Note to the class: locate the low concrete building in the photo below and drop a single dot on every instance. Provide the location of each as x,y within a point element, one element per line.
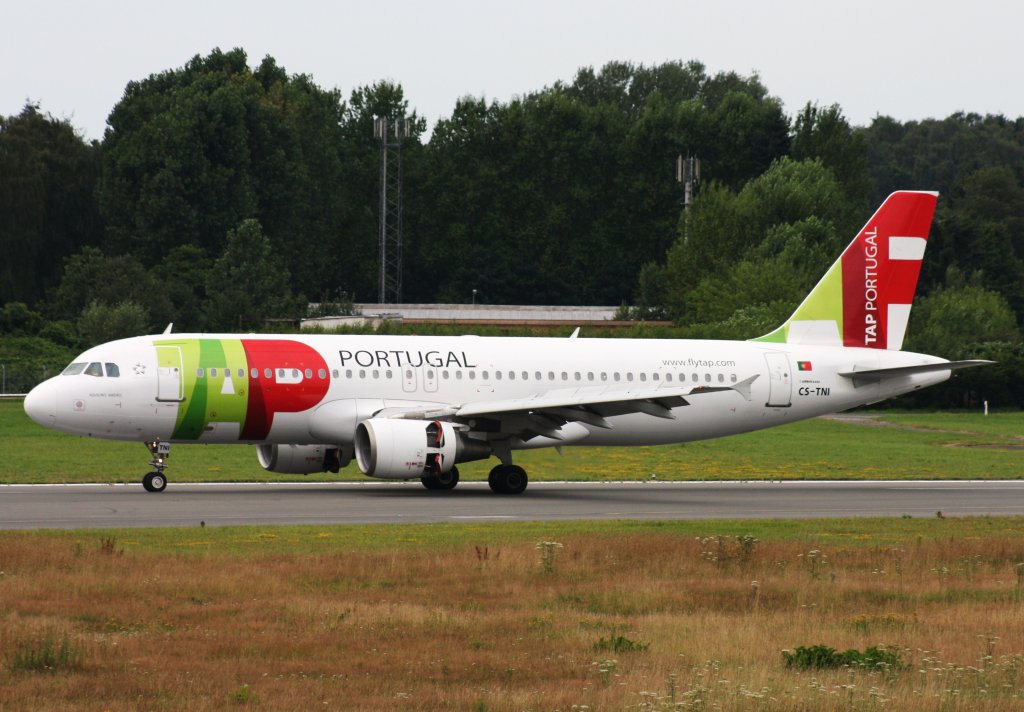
<point>472,314</point>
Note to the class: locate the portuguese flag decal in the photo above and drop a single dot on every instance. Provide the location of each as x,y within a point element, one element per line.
<point>803,366</point>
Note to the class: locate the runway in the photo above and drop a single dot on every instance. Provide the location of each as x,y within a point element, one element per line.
<point>186,505</point>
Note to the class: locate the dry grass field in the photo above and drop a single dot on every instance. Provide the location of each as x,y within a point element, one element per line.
<point>599,616</point>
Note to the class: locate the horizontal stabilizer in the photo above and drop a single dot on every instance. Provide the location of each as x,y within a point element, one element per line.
<point>874,375</point>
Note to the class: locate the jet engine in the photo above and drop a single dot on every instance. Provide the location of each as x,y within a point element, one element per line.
<point>405,449</point>
<point>301,459</point>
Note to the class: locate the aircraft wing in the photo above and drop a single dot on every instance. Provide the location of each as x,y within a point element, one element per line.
<point>545,413</point>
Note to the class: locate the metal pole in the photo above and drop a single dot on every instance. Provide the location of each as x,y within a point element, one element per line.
<point>383,130</point>
<point>4,388</point>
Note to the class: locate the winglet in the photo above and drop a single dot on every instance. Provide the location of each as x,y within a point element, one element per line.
<point>864,299</point>
<point>168,329</point>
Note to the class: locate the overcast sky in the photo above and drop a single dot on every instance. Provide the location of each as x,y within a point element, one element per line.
<point>909,60</point>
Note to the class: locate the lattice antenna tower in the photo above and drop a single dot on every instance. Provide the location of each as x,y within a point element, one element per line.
<point>390,133</point>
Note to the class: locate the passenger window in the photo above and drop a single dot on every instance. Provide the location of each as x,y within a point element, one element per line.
<point>497,375</point>
<point>643,377</point>
<point>74,369</point>
<point>362,373</point>
<point>309,373</point>
<point>430,374</point>
<point>295,373</point>
<point>565,376</point>
<point>551,375</point>
<point>629,376</point>
<point>254,373</point>
<point>696,378</point>
<point>707,377</point>
<point>458,375</point>
<point>388,374</point>
<point>576,375</point>
<point>668,377</point>
<point>213,373</point>
<point>112,370</point>
<point>604,376</point>
<point>95,369</point>
<point>483,375</point>
<point>200,372</point>
<point>280,373</point>
<point>444,375</point>
<point>348,373</point>
<point>733,378</point>
<point>321,374</point>
<point>334,373</point>
<point>241,373</point>
<point>721,378</point>
<point>616,376</point>
<point>511,375</point>
<point>537,375</point>
<point>472,375</point>
<point>682,377</point>
<point>655,376</point>
<point>268,373</point>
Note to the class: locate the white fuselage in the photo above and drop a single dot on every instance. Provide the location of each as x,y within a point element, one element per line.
<point>269,388</point>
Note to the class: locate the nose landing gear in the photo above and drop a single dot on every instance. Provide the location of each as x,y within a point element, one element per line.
<point>156,481</point>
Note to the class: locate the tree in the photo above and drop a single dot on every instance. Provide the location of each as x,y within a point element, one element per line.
<point>193,152</point>
<point>100,322</point>
<point>48,177</point>
<point>93,277</point>
<point>954,321</point>
<point>825,134</point>
<point>247,284</point>
<point>769,242</point>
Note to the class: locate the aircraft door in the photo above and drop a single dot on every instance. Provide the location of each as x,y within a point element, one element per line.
<point>169,384</point>
<point>780,381</point>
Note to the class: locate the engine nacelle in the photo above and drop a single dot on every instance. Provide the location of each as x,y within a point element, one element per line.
<point>404,449</point>
<point>301,459</point>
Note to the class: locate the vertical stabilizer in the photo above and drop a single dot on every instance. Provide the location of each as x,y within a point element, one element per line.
<point>864,299</point>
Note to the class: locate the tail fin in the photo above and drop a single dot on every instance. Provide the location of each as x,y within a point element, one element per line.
<point>864,299</point>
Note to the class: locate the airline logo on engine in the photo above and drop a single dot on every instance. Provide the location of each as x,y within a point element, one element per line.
<point>400,359</point>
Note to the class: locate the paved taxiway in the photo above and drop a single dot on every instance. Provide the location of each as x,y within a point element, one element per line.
<point>184,505</point>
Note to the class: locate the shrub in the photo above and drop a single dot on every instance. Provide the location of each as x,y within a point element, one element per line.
<point>46,655</point>
<point>820,657</point>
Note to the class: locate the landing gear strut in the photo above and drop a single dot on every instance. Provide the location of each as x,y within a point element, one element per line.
<point>442,481</point>
<point>155,481</point>
<point>507,479</point>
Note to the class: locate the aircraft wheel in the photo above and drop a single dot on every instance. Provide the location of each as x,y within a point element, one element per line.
<point>508,479</point>
<point>443,481</point>
<point>154,482</point>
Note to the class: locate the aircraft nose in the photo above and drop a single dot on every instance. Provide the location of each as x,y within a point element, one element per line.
<point>41,403</point>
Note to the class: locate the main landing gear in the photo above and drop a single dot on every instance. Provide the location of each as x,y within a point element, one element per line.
<point>504,479</point>
<point>507,479</point>
<point>155,481</point>
<point>443,481</point>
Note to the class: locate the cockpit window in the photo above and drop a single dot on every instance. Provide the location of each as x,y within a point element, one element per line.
<point>112,370</point>
<point>94,369</point>
<point>74,369</point>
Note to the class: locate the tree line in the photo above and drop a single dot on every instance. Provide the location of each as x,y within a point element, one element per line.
<point>222,194</point>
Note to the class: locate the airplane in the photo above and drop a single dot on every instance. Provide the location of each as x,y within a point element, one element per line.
<point>415,407</point>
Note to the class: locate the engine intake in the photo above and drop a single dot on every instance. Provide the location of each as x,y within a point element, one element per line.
<point>405,449</point>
